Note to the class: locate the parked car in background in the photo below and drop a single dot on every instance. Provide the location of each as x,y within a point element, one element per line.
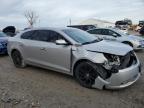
<point>3,43</point>
<point>142,31</point>
<point>93,62</point>
<point>122,25</point>
<point>10,31</point>
<point>139,26</point>
<point>141,23</point>
<point>83,27</point>
<point>116,35</point>
<point>124,31</point>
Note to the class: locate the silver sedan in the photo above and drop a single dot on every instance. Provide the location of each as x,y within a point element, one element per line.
<point>93,62</point>
<point>111,34</point>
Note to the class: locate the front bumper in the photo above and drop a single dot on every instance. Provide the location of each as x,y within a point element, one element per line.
<point>122,79</point>
<point>138,46</point>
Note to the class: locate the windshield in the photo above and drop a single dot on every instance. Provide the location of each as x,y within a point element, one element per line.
<point>2,34</point>
<point>80,36</point>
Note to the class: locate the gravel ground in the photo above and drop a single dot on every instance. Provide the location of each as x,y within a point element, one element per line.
<point>39,88</point>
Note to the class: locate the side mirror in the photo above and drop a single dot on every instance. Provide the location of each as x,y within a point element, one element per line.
<point>61,42</point>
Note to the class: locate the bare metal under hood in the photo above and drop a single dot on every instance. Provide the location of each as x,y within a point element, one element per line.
<point>109,47</point>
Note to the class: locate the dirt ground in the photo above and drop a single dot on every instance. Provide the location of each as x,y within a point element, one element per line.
<point>39,88</point>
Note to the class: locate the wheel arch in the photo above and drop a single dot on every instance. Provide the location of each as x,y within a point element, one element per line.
<point>99,83</point>
<point>14,50</point>
<point>77,63</point>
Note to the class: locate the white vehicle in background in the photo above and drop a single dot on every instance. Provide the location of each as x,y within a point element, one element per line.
<point>116,35</point>
<point>124,31</point>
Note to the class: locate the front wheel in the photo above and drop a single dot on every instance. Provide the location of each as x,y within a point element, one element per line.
<point>86,74</point>
<point>17,59</point>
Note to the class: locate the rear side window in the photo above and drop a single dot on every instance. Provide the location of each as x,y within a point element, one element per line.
<point>42,35</point>
<point>95,31</point>
<point>27,35</point>
<point>47,36</point>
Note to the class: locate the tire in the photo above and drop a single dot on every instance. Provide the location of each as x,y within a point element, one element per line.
<point>128,43</point>
<point>85,74</point>
<point>17,59</point>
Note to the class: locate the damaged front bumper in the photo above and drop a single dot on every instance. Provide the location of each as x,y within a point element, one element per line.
<point>122,79</point>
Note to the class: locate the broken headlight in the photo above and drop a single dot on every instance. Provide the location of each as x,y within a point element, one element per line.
<point>112,63</point>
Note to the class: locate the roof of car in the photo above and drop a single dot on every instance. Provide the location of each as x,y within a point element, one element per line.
<point>101,28</point>
<point>51,28</point>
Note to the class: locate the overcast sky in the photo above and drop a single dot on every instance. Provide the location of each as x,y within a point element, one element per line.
<point>58,12</point>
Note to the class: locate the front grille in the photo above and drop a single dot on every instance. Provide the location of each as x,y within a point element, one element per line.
<point>127,60</point>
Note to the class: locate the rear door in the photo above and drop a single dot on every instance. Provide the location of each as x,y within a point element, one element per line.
<point>31,46</point>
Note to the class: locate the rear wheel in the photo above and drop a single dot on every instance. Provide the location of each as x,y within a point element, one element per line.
<point>17,59</point>
<point>86,74</point>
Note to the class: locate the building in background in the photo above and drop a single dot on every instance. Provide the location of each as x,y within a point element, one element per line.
<point>97,23</point>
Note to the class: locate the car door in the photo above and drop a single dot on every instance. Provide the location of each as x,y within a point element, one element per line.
<point>31,46</point>
<point>54,56</point>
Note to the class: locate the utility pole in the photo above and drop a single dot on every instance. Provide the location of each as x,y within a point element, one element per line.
<point>70,21</point>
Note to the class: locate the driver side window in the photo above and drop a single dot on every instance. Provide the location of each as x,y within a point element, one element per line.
<point>54,36</point>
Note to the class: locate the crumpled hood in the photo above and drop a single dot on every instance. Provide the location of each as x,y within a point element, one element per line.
<point>109,47</point>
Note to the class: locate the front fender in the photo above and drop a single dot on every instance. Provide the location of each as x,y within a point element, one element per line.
<point>94,57</point>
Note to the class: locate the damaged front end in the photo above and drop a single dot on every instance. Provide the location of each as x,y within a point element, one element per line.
<point>120,71</point>
<point>115,63</point>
